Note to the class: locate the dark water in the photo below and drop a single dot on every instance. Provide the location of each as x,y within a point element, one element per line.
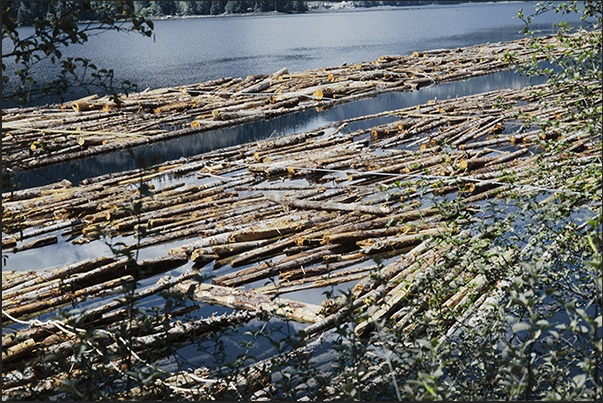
<point>301,121</point>
<point>185,51</point>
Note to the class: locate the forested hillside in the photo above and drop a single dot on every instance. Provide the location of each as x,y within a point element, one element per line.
<point>27,11</point>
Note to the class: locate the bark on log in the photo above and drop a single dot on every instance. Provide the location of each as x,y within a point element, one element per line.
<point>477,162</point>
<point>399,242</point>
<point>38,307</point>
<point>10,281</point>
<point>266,270</point>
<point>84,284</point>
<point>333,206</point>
<point>507,157</point>
<point>38,243</point>
<point>322,268</point>
<point>318,281</point>
<point>332,320</point>
<point>251,301</point>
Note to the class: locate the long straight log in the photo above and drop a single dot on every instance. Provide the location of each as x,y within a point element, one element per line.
<point>16,278</point>
<point>399,242</point>
<point>56,288</point>
<point>476,162</point>
<point>278,246</point>
<point>243,234</point>
<point>317,281</point>
<point>332,320</point>
<point>477,127</point>
<point>267,270</point>
<point>333,206</point>
<point>321,282</point>
<point>354,236</point>
<point>62,272</point>
<point>238,247</point>
<point>37,307</point>
<point>250,301</point>
<point>507,157</point>
<point>38,243</point>
<point>331,263</point>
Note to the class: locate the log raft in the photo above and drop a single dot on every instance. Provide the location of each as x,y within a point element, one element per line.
<point>268,219</point>
<point>93,125</point>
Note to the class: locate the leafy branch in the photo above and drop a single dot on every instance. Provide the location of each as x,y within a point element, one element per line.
<point>52,33</point>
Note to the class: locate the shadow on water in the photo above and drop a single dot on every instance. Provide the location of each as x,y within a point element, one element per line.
<point>307,120</point>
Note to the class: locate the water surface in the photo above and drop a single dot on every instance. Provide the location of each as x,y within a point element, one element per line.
<point>187,51</point>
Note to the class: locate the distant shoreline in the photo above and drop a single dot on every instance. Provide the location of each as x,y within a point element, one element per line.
<point>310,11</point>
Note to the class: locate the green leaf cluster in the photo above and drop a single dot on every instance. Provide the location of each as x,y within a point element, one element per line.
<point>56,25</point>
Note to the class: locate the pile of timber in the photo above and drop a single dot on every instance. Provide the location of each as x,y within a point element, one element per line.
<point>464,142</point>
<point>307,210</point>
<point>54,134</point>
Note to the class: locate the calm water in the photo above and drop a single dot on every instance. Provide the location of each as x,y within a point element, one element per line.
<point>186,51</point>
<point>302,121</point>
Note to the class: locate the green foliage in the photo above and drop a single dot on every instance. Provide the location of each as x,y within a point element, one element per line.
<point>540,339</point>
<point>579,70</point>
<point>27,11</point>
<point>398,3</point>
<point>57,25</point>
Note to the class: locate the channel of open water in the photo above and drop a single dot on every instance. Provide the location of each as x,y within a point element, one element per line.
<point>310,119</point>
<point>186,51</point>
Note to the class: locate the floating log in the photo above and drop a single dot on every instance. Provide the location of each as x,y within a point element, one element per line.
<point>60,273</point>
<point>309,281</point>
<point>507,157</point>
<point>399,242</point>
<point>335,318</point>
<point>300,91</point>
<point>472,163</point>
<point>342,199</point>
<point>15,278</point>
<point>38,307</point>
<point>250,301</point>
<point>356,207</point>
<point>330,263</point>
<point>89,283</point>
<point>234,247</point>
<point>38,243</point>
<point>355,236</point>
<point>267,270</point>
<point>85,105</point>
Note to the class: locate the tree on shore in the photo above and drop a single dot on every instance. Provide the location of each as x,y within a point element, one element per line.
<point>25,12</point>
